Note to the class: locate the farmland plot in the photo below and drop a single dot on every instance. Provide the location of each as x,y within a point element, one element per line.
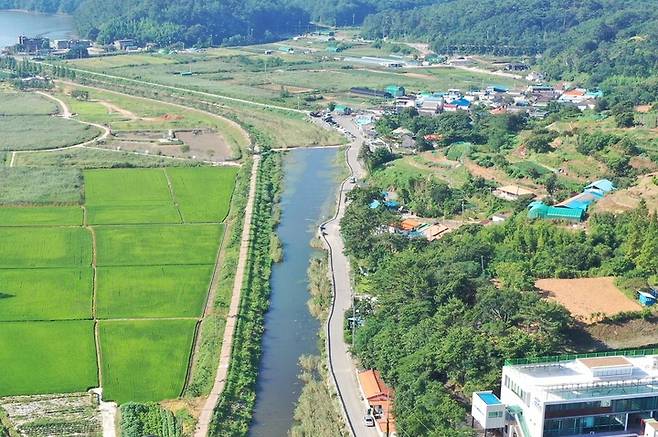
<point>26,104</point>
<point>145,360</point>
<point>129,197</point>
<point>44,216</point>
<point>203,194</point>
<point>152,291</point>
<point>45,294</point>
<point>44,247</point>
<point>142,245</point>
<point>27,132</point>
<point>51,357</point>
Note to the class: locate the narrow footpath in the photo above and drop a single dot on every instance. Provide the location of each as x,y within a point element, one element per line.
<point>341,365</point>
<point>227,344</point>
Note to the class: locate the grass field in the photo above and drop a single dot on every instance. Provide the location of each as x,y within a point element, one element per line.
<point>145,360</point>
<point>152,291</point>
<point>18,103</point>
<point>36,132</point>
<point>94,159</point>
<point>45,294</point>
<point>157,244</point>
<point>194,189</point>
<point>40,186</point>
<point>126,187</point>
<point>41,216</point>
<point>44,247</point>
<point>47,357</point>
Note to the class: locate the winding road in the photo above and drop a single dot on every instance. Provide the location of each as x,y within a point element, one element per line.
<point>341,366</point>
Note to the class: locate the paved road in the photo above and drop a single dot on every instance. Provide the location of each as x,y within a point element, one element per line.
<point>340,362</point>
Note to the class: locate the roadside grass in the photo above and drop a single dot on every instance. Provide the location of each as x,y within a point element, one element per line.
<point>34,132</point>
<point>122,61</point>
<point>44,247</point>
<point>18,103</point>
<point>45,294</point>
<point>145,360</point>
<point>151,291</point>
<point>47,357</point>
<point>134,245</point>
<point>40,186</point>
<point>203,194</point>
<point>95,158</point>
<point>41,216</point>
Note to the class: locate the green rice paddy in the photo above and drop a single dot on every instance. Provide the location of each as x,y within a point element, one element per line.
<point>45,294</point>
<point>44,216</point>
<point>47,357</point>
<point>152,237</point>
<point>145,360</point>
<point>152,291</point>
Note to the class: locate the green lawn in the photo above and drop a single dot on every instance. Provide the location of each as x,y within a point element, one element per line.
<point>152,291</point>
<point>145,360</point>
<point>12,103</point>
<point>47,357</point>
<point>203,194</point>
<point>32,132</point>
<point>44,247</point>
<point>45,294</point>
<point>135,245</point>
<point>43,216</point>
<point>95,158</point>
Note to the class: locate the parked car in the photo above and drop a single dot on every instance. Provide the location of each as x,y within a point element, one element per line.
<point>369,421</point>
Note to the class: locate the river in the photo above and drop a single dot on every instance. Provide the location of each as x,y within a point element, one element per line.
<point>15,23</point>
<point>309,190</point>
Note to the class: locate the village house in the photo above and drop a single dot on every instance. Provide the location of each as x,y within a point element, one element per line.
<point>380,400</point>
<point>512,192</point>
<point>125,44</point>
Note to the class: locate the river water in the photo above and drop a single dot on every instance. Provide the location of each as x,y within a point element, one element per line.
<point>309,190</point>
<point>15,23</point>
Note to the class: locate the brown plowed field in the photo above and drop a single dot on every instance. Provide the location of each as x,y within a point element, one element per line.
<point>586,296</point>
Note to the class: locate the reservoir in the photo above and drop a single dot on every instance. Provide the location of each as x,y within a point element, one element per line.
<point>307,199</point>
<point>15,23</point>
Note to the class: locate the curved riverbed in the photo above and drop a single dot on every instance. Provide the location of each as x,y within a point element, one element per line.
<point>309,189</point>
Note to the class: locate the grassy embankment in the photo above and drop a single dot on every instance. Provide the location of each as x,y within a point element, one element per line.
<point>233,412</point>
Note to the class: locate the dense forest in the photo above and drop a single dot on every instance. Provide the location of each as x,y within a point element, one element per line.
<point>592,39</point>
<point>445,315</point>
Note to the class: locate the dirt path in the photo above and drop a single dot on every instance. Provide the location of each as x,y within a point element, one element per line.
<point>233,123</point>
<point>66,113</point>
<point>205,417</point>
<point>114,108</point>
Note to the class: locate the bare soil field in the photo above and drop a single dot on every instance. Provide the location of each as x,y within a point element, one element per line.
<point>624,200</point>
<point>631,334</point>
<point>584,297</point>
<point>206,143</point>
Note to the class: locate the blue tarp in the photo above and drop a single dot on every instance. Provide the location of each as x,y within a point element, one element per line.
<point>461,102</point>
<point>392,204</point>
<point>375,204</point>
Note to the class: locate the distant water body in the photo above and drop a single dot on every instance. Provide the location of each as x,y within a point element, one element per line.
<point>15,23</point>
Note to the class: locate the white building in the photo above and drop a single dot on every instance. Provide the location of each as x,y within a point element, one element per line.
<point>607,394</point>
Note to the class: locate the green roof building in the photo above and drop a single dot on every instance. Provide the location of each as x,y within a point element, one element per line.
<point>395,90</point>
<point>342,109</point>
<point>539,209</point>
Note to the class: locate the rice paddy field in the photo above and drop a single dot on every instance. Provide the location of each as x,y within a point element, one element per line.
<point>131,266</point>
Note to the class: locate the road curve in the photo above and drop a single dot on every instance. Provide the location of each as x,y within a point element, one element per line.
<point>208,408</point>
<point>341,365</point>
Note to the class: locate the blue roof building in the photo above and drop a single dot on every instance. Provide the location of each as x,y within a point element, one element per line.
<point>602,184</point>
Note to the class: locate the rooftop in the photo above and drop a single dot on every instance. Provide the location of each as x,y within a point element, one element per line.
<point>589,376</point>
<point>489,398</point>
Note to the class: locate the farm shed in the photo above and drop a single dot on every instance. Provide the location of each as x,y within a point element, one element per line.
<point>539,209</point>
<point>342,109</point>
<point>395,90</point>
<point>512,192</point>
<point>603,185</point>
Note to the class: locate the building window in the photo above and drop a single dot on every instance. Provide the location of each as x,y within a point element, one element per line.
<point>494,414</point>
